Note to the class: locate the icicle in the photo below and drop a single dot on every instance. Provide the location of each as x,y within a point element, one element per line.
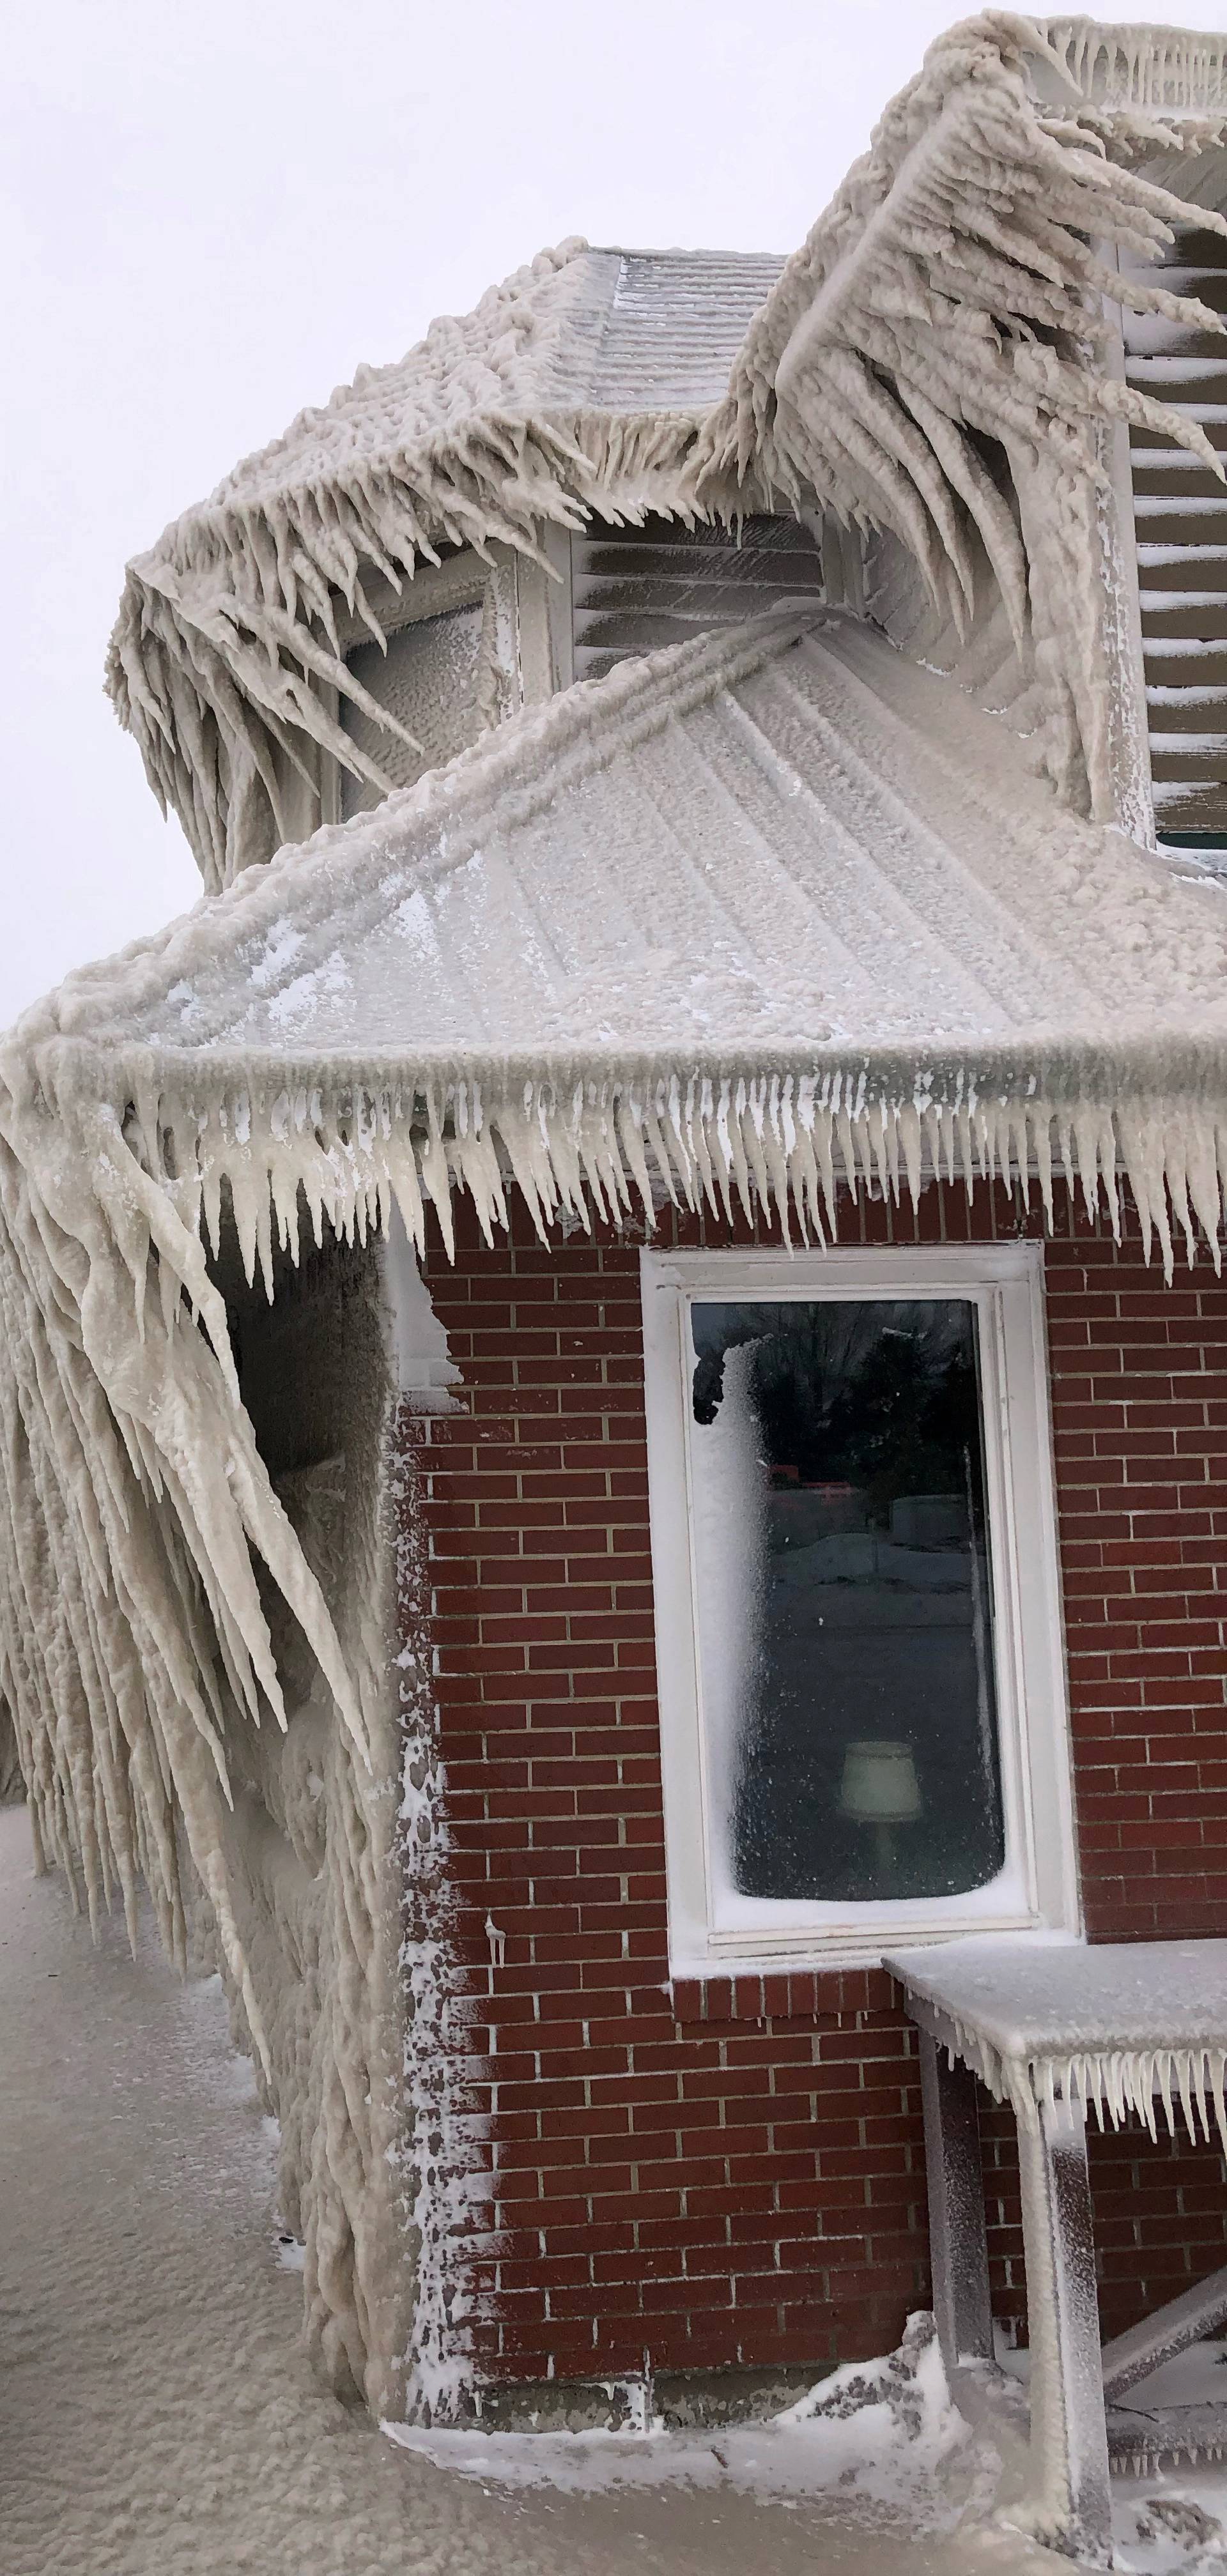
<point>1184,2078</point>
<point>1218,2068</point>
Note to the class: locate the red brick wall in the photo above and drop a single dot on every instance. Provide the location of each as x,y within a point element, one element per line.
<point>735,2174</point>
<point>1139,1388</point>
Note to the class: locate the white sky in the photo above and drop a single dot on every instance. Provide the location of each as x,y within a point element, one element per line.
<point>214,213</point>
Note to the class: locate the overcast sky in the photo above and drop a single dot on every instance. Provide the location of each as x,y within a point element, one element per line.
<point>215,212</point>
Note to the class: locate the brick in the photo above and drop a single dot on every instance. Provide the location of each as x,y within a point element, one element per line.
<point>731,2169</point>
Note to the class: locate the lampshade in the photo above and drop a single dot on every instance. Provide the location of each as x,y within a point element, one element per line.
<point>879,1784</point>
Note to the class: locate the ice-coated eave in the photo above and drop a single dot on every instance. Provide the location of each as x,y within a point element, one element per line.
<point>576,387</point>
<point>607,1138</point>
<point>935,358</point>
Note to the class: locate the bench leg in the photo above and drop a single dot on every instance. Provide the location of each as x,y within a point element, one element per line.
<point>1071,2501</point>
<point>958,2241</point>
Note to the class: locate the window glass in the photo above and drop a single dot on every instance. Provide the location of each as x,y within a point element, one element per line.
<point>428,679</point>
<point>844,1598</point>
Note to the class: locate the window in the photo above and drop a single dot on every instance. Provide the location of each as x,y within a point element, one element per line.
<point>441,631</point>
<point>858,1623</point>
<point>429,679</point>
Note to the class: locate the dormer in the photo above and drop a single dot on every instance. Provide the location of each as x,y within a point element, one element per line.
<point>923,416</point>
<point>468,643</point>
<point>407,566</point>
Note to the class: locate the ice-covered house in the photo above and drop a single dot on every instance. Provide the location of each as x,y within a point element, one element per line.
<point>615,1366</point>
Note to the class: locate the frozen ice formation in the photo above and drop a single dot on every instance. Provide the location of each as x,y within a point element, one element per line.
<point>1127,2030</point>
<point>550,400</point>
<point>882,949</point>
<point>952,294</point>
<point>877,947</point>
<point>930,362</point>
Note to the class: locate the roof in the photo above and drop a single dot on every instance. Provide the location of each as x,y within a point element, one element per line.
<point>577,384</point>
<point>794,841</point>
<point>784,862</point>
<point>577,330</point>
<point>952,295</point>
<point>947,298</point>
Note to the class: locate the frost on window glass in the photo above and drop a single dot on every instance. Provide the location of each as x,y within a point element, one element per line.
<point>428,679</point>
<point>844,1599</point>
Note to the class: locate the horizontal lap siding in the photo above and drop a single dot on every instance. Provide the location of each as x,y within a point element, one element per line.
<point>735,2176</point>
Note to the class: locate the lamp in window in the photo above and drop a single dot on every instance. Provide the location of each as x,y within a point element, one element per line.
<point>879,1788</point>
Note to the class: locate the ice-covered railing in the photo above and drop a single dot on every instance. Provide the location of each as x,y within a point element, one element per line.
<point>1127,2029</point>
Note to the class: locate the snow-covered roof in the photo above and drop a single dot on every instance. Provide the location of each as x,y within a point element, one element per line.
<point>949,297</point>
<point>579,329</point>
<point>1116,2025</point>
<point>952,294</point>
<point>767,845</point>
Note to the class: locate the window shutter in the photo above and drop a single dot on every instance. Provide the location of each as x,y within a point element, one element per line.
<point>1180,512</point>
<point>635,589</point>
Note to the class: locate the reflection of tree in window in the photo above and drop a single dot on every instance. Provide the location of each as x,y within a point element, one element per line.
<point>864,1758</point>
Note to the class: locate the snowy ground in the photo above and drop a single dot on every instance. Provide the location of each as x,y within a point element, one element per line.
<point>156,2415</point>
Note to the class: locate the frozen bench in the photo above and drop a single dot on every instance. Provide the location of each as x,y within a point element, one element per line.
<point>1053,2029</point>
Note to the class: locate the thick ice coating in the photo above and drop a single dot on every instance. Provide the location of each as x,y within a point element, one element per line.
<point>1122,2028</point>
<point>773,916</point>
<point>948,298</point>
<point>766,915</point>
<point>929,362</point>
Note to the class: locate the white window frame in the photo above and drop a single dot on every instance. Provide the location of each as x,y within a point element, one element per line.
<point>1037,1890</point>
